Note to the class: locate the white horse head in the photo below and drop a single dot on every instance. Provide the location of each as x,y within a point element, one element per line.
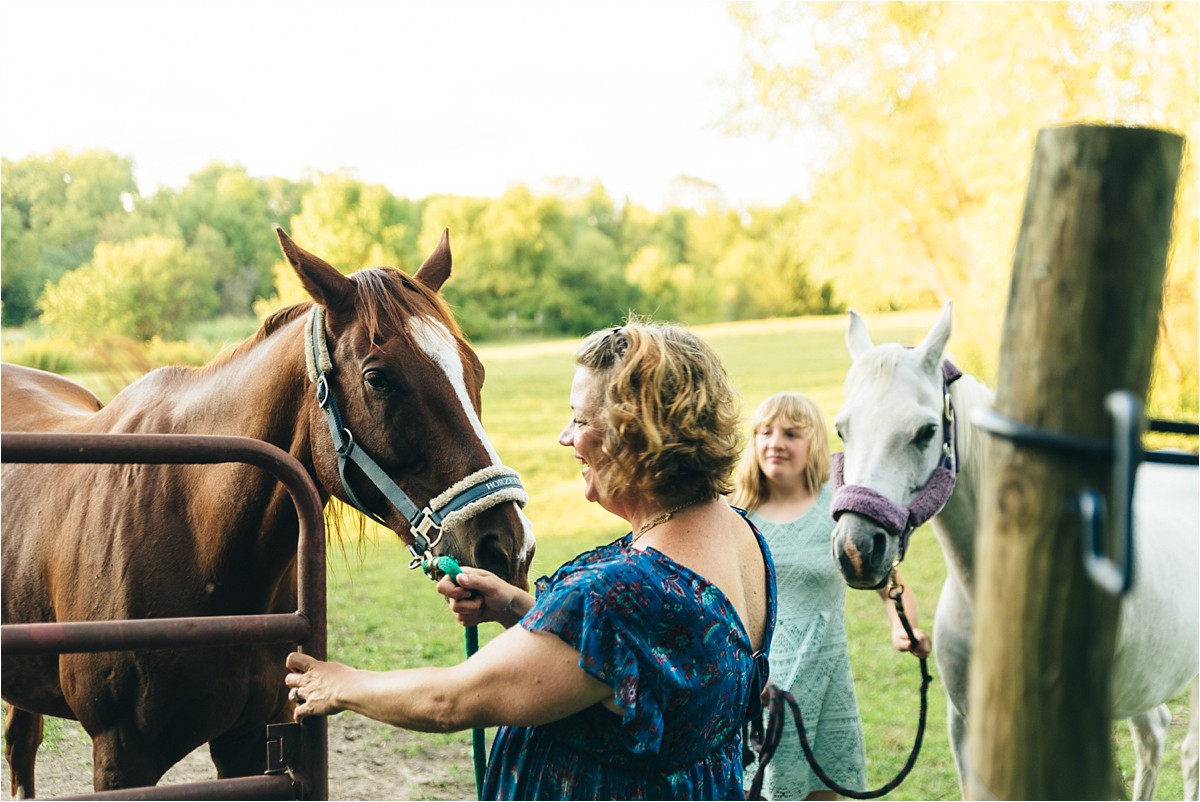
<point>893,428</point>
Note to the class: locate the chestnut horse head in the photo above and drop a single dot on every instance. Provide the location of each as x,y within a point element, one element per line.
<point>396,429</point>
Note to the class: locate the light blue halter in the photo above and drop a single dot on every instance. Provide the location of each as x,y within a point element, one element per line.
<point>468,497</point>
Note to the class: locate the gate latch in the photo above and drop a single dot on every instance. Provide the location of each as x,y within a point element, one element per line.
<point>283,747</point>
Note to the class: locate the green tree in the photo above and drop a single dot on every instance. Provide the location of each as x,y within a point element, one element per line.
<point>52,209</point>
<point>531,262</point>
<point>350,224</point>
<point>656,275</point>
<point>465,292</point>
<point>592,290</point>
<point>765,272</point>
<point>224,200</point>
<point>142,288</point>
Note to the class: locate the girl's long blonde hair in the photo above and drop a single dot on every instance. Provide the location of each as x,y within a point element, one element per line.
<point>792,409</point>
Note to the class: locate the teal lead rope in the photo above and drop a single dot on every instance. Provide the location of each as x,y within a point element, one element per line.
<point>450,567</point>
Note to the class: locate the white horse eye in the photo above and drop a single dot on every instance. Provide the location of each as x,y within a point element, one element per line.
<point>924,435</point>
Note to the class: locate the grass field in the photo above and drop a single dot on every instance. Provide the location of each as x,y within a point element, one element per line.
<point>383,616</point>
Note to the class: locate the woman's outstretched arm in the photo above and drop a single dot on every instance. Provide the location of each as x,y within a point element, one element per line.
<point>520,678</point>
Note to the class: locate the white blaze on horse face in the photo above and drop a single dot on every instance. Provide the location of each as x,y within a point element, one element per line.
<point>435,340</point>
<point>439,345</point>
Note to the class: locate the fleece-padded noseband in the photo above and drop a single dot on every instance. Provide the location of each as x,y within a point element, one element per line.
<point>894,518</point>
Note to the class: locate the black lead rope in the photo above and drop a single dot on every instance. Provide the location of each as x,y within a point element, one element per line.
<point>764,743</point>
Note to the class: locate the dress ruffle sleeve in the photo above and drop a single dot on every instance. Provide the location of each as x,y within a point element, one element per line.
<point>612,615</point>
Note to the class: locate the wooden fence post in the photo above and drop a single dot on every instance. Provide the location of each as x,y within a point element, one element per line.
<point>1081,322</point>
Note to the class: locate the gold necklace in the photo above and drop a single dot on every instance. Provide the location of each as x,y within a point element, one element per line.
<point>661,518</point>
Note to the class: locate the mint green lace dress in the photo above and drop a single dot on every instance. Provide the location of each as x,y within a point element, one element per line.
<point>809,658</point>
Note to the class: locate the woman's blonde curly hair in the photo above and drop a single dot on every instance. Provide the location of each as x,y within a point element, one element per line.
<point>672,417</point>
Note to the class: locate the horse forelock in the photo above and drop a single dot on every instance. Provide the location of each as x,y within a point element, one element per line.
<point>877,366</point>
<point>388,298</point>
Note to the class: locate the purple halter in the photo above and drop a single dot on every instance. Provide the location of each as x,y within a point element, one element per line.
<point>897,520</point>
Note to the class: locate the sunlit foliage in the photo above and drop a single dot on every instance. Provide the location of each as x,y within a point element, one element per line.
<point>920,119</point>
<point>929,112</point>
<point>140,288</point>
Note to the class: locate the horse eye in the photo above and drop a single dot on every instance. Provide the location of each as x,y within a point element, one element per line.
<point>376,380</point>
<point>924,435</point>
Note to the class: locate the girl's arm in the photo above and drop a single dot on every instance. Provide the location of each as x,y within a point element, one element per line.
<point>900,638</point>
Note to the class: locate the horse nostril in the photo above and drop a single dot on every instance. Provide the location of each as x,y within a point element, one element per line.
<point>491,556</point>
<point>878,544</point>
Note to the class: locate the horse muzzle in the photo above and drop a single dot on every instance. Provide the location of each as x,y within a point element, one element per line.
<point>498,539</point>
<point>878,526</point>
<point>864,551</point>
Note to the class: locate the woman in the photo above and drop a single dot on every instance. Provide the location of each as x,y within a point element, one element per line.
<point>781,482</point>
<point>630,675</point>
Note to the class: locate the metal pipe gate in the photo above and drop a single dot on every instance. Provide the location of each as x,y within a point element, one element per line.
<point>290,776</point>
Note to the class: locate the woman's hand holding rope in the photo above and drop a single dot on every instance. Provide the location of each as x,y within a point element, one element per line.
<point>477,596</point>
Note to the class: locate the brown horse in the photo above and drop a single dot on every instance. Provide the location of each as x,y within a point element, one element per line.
<point>89,542</point>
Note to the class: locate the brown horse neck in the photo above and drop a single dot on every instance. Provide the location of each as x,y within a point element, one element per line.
<point>258,391</point>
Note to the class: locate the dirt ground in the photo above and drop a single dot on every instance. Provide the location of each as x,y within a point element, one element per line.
<point>367,760</point>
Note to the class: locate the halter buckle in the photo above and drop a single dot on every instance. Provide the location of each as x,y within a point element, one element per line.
<point>322,391</point>
<point>425,524</point>
<point>347,445</point>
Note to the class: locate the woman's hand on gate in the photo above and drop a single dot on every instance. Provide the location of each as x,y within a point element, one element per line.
<point>314,685</point>
<point>477,596</point>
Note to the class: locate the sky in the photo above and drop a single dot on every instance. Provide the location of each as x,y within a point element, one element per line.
<point>423,97</point>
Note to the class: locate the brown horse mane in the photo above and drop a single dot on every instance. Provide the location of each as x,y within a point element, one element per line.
<point>385,306</point>
<point>275,321</point>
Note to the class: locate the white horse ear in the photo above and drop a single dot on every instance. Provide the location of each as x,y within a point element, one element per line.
<point>857,338</point>
<point>934,344</point>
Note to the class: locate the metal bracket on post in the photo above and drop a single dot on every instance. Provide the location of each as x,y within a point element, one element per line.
<point>1113,574</point>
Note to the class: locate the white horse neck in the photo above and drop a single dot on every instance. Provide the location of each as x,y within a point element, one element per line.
<point>955,524</point>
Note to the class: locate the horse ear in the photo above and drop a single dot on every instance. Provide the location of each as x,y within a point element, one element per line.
<point>934,344</point>
<point>436,269</point>
<point>321,280</point>
<point>857,338</point>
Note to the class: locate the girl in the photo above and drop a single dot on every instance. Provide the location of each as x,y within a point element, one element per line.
<point>782,484</point>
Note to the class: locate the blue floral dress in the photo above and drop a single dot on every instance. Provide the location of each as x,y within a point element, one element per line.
<point>682,670</point>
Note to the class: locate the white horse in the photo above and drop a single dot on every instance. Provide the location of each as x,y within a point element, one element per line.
<point>892,429</point>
